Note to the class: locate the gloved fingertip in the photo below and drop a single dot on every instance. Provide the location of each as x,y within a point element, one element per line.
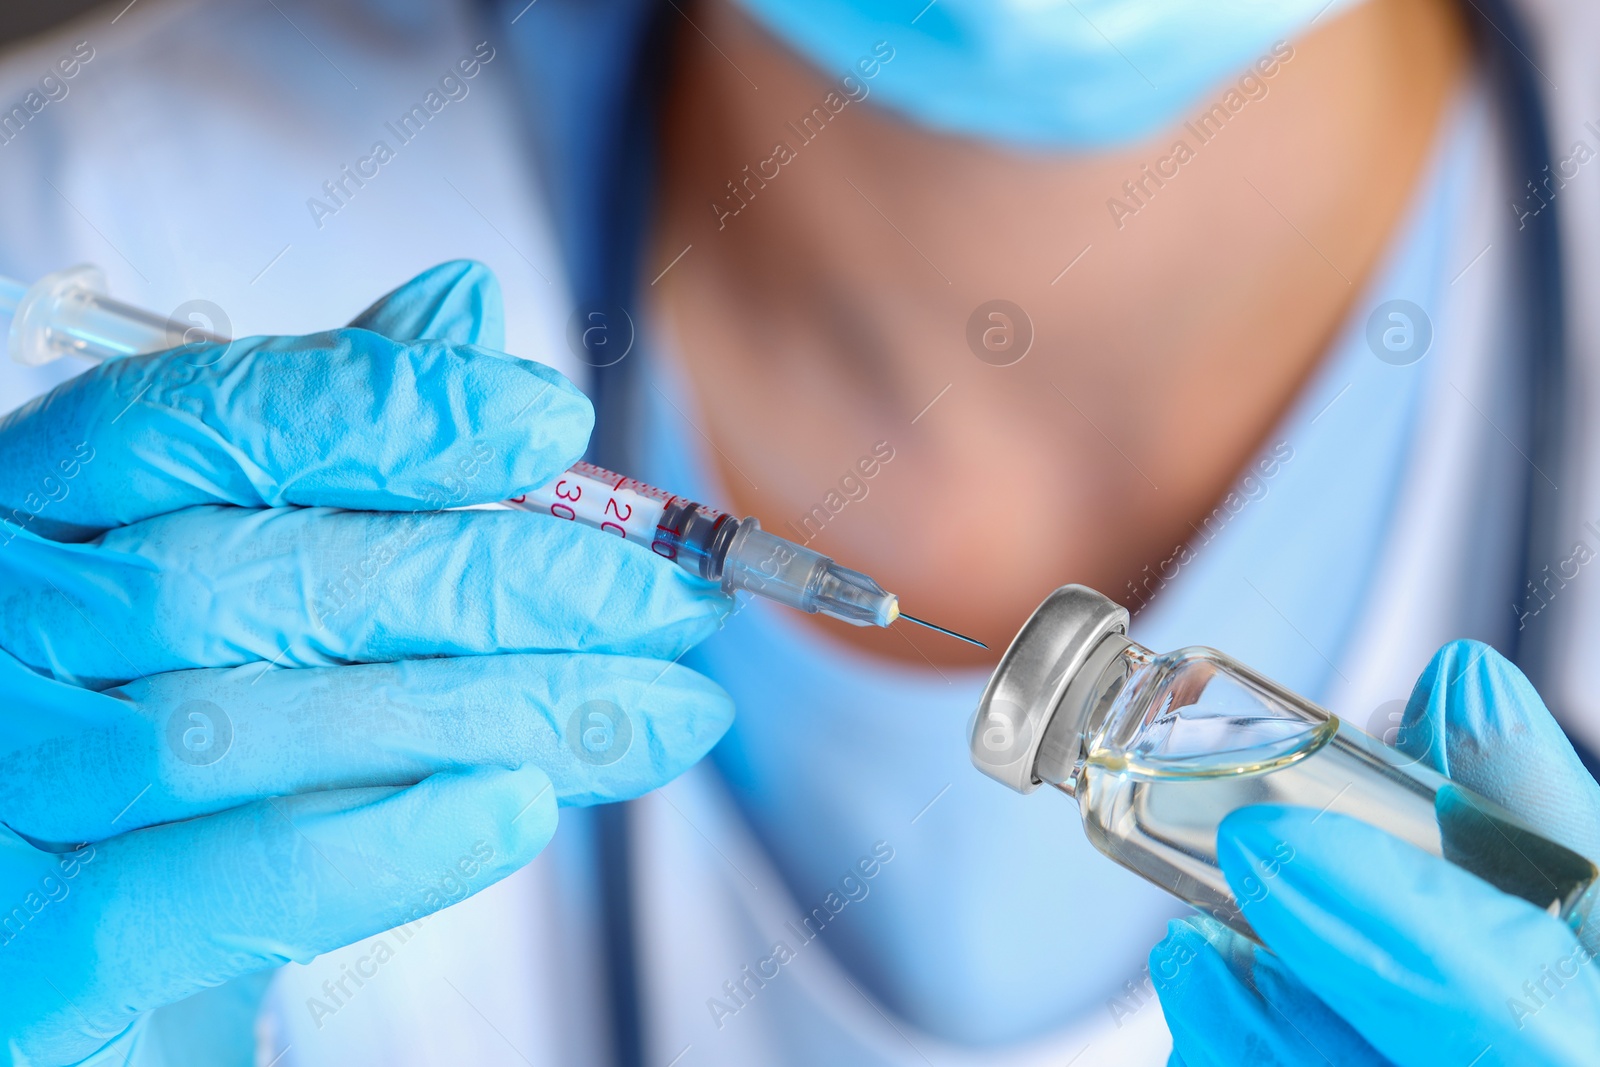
<point>702,714</point>
<point>535,409</point>
<point>1455,693</point>
<point>522,808</point>
<point>624,727</point>
<point>1180,942</point>
<point>1476,718</point>
<point>1186,969</point>
<point>500,425</point>
<point>1178,930</point>
<point>500,817</point>
<point>457,301</point>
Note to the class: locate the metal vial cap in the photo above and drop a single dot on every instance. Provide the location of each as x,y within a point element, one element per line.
<point>1027,687</point>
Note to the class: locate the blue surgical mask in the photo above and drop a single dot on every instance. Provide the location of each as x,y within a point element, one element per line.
<point>1044,74</point>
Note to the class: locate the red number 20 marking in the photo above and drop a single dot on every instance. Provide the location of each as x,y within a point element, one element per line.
<point>625,513</point>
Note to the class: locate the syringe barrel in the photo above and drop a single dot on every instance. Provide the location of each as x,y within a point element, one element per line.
<point>711,544</point>
<point>691,535</point>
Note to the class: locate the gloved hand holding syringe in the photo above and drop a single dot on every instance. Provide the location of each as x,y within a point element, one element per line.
<point>69,313</point>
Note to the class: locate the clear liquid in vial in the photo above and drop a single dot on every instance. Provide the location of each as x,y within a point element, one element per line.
<point>1158,815</point>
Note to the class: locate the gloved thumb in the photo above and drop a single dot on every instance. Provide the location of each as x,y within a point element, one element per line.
<point>1474,717</point>
<point>458,301</point>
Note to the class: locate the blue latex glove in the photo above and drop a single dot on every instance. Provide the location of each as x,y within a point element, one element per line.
<point>274,726</point>
<point>1384,953</point>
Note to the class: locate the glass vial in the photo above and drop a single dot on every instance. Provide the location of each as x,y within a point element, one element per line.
<point>1158,749</point>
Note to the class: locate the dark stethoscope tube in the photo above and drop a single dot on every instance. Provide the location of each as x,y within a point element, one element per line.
<point>1506,48</point>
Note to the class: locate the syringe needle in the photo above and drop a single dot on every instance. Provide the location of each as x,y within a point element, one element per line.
<point>941,629</point>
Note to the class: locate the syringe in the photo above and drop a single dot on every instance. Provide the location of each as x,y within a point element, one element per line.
<point>69,313</point>
<point>712,544</point>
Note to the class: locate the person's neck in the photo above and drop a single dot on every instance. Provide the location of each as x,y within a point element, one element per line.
<point>823,306</point>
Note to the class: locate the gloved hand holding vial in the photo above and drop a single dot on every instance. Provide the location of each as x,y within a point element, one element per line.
<point>1209,780</point>
<point>1159,749</point>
